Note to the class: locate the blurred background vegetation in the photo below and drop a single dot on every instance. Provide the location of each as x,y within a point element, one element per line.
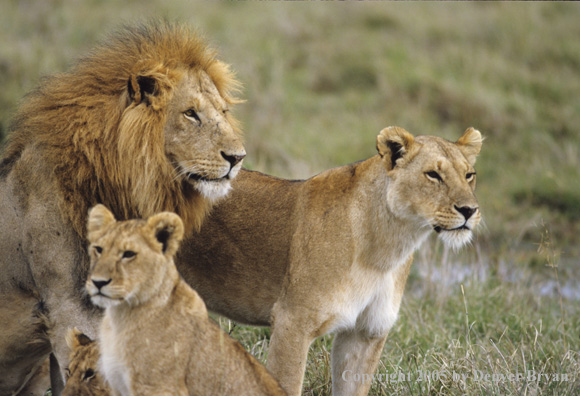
<point>322,79</point>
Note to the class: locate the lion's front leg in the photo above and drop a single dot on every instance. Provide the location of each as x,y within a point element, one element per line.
<point>291,338</point>
<point>354,358</point>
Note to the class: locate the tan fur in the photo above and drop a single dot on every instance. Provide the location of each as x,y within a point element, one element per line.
<point>82,376</point>
<point>332,253</point>
<point>156,337</point>
<point>142,124</point>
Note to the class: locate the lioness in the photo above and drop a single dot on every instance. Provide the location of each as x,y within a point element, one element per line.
<point>156,337</point>
<point>332,253</point>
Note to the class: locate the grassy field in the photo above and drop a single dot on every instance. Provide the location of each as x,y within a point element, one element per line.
<point>321,79</point>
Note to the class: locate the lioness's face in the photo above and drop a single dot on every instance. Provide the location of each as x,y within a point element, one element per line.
<point>200,141</point>
<point>433,182</point>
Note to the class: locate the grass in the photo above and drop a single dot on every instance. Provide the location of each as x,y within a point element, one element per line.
<point>470,334</point>
<point>321,79</point>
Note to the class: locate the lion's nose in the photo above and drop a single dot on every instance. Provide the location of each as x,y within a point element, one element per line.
<point>99,284</point>
<point>466,211</point>
<point>233,159</point>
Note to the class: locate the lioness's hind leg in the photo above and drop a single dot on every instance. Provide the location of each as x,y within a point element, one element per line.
<point>354,359</point>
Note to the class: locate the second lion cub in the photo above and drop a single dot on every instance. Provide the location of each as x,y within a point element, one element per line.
<point>156,336</point>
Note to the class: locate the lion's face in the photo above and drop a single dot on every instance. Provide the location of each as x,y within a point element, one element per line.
<point>82,376</point>
<point>433,181</point>
<point>200,141</point>
<point>130,259</point>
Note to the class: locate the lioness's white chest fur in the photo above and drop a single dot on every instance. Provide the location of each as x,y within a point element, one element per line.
<point>370,303</point>
<point>371,297</point>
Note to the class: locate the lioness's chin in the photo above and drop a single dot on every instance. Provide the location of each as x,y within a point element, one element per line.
<point>456,239</point>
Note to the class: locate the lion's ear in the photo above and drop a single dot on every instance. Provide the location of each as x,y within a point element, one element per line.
<point>141,88</point>
<point>76,338</point>
<point>470,144</point>
<point>393,143</point>
<point>99,218</point>
<point>167,228</point>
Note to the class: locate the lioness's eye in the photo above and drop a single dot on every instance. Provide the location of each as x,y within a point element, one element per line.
<point>98,249</point>
<point>192,114</point>
<point>434,175</point>
<point>129,254</point>
<point>470,176</point>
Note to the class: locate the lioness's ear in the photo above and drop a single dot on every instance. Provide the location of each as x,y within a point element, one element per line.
<point>393,143</point>
<point>76,338</point>
<point>470,144</point>
<point>168,230</point>
<point>141,88</point>
<point>99,218</point>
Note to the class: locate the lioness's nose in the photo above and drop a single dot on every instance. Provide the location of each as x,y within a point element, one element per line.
<point>466,211</point>
<point>100,283</point>
<point>233,159</point>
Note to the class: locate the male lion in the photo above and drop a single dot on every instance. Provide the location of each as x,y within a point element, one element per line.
<point>142,125</point>
<point>332,253</point>
<point>156,337</point>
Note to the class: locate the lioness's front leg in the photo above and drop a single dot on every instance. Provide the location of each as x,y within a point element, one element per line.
<point>291,338</point>
<point>354,353</point>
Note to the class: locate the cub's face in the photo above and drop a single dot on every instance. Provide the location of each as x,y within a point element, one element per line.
<point>82,376</point>
<point>432,181</point>
<point>129,259</point>
<point>200,140</point>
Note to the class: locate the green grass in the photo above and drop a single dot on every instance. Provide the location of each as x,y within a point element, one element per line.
<point>322,79</point>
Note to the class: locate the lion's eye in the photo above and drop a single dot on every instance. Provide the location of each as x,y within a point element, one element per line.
<point>433,175</point>
<point>98,249</point>
<point>192,114</point>
<point>90,373</point>
<point>127,254</point>
<point>469,177</point>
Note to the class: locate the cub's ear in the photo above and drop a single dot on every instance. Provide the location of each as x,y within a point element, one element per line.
<point>76,338</point>
<point>393,143</point>
<point>167,228</point>
<point>470,144</point>
<point>142,88</point>
<point>99,218</point>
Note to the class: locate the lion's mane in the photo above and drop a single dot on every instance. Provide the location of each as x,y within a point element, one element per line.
<point>105,147</point>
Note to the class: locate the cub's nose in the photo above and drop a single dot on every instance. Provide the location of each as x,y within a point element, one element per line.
<point>233,159</point>
<point>466,211</point>
<point>99,284</point>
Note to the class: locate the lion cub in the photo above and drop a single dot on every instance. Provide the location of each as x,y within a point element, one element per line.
<point>82,377</point>
<point>156,337</point>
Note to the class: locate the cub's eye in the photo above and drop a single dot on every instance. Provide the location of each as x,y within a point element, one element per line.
<point>433,175</point>
<point>90,373</point>
<point>192,114</point>
<point>127,254</point>
<point>98,249</point>
<point>67,373</point>
<point>469,177</point>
